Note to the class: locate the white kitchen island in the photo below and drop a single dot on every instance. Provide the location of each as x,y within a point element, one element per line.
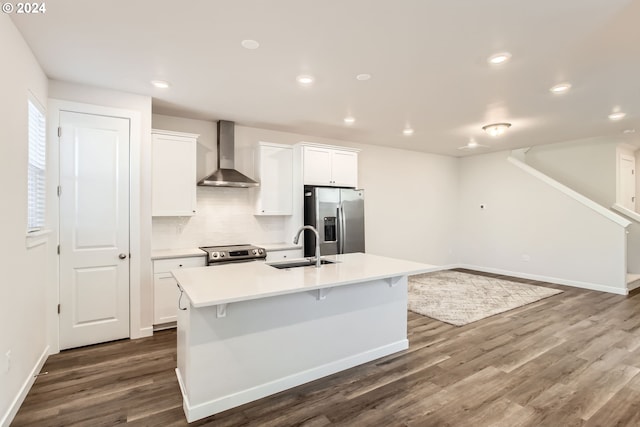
<point>249,330</point>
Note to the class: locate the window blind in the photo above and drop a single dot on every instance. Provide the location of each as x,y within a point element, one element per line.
<point>36,197</point>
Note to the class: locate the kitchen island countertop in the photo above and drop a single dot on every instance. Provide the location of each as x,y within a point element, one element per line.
<point>206,286</point>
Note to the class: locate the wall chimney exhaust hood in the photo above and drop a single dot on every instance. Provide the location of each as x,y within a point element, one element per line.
<point>226,175</point>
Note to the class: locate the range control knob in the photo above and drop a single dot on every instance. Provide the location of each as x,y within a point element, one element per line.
<point>260,251</point>
<point>221,254</point>
<point>214,254</point>
<point>254,251</point>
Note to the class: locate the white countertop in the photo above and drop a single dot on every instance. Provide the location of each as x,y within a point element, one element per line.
<point>189,252</point>
<point>176,253</point>
<point>229,283</point>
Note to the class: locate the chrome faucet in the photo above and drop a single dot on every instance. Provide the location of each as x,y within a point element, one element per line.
<point>309,227</point>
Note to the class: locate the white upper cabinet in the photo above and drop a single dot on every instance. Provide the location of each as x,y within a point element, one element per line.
<point>274,171</point>
<point>330,166</point>
<point>173,181</point>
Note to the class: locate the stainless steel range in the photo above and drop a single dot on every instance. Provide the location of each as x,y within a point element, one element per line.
<point>233,253</point>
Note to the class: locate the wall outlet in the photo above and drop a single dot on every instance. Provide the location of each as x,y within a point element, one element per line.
<point>526,258</point>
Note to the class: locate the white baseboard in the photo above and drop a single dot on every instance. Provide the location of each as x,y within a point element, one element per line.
<point>574,283</point>
<point>143,333</point>
<point>24,390</point>
<point>214,406</point>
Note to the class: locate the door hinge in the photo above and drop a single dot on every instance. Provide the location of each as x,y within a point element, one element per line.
<point>59,190</point>
<point>58,249</point>
<point>58,308</point>
<point>59,131</point>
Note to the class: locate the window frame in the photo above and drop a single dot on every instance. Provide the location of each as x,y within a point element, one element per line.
<point>36,167</point>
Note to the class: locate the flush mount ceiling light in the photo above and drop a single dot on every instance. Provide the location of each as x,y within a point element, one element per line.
<point>618,115</point>
<point>305,79</point>
<point>499,58</point>
<point>363,77</point>
<point>349,120</point>
<point>407,132</point>
<point>160,84</point>
<point>496,129</point>
<point>629,131</point>
<point>560,88</point>
<point>250,44</point>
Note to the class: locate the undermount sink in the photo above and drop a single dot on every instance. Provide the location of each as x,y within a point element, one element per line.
<point>299,263</point>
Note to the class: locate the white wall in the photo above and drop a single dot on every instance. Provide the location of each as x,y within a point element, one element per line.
<point>23,323</point>
<point>586,166</point>
<point>564,241</point>
<point>141,271</point>
<point>410,202</point>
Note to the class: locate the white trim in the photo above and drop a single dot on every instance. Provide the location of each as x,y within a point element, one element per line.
<point>175,134</point>
<point>626,212</point>
<point>148,331</point>
<point>332,147</point>
<point>202,410</point>
<point>555,280</point>
<point>136,330</point>
<point>37,238</point>
<point>24,390</point>
<point>570,193</point>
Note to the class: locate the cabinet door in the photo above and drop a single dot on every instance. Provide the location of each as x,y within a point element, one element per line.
<point>173,176</point>
<point>317,166</point>
<point>165,298</point>
<point>344,169</point>
<point>275,172</point>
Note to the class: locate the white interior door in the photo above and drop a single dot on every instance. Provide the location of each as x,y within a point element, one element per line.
<point>628,182</point>
<point>94,229</point>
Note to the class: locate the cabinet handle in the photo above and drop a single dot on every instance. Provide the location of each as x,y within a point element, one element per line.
<point>179,265</point>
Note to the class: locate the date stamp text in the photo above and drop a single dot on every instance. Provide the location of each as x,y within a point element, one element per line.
<point>24,8</point>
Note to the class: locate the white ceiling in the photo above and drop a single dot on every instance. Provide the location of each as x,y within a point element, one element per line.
<point>427,59</point>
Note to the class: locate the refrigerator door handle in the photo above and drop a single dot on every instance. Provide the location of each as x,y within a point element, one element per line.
<point>341,224</point>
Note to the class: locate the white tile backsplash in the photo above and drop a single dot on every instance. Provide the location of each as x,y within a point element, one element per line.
<point>223,216</point>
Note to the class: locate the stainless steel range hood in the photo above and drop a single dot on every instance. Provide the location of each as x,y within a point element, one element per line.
<point>226,175</point>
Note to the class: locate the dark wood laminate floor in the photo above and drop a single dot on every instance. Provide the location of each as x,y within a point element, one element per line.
<point>569,360</point>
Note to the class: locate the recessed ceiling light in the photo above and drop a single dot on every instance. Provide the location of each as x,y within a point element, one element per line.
<point>618,115</point>
<point>496,129</point>
<point>407,132</point>
<point>560,88</point>
<point>499,58</point>
<point>250,44</point>
<point>363,77</point>
<point>305,79</point>
<point>629,131</point>
<point>160,84</point>
<point>349,120</point>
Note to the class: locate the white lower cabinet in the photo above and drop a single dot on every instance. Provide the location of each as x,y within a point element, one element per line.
<point>273,256</point>
<point>165,287</point>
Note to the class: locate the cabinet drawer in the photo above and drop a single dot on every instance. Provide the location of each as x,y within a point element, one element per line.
<point>166,265</point>
<point>283,255</point>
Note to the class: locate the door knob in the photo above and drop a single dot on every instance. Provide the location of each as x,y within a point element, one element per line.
<point>122,256</point>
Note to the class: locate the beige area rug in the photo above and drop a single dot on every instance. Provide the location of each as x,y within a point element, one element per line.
<point>461,298</point>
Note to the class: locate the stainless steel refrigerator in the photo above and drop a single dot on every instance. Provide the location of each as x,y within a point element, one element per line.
<point>338,215</point>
